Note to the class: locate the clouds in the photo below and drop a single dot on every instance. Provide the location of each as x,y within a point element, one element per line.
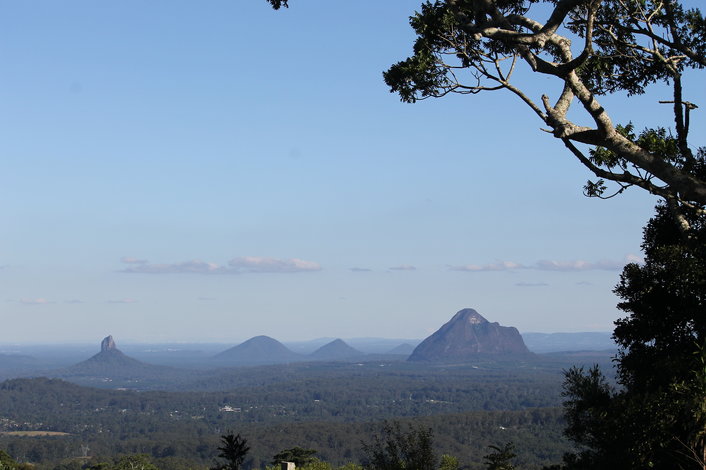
<point>37,301</point>
<point>499,266</point>
<point>122,301</point>
<point>403,267</point>
<point>193,266</point>
<point>44,301</point>
<point>551,265</point>
<point>261,264</point>
<point>256,264</point>
<point>238,265</point>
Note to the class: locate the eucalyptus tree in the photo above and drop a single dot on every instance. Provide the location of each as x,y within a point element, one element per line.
<point>584,50</point>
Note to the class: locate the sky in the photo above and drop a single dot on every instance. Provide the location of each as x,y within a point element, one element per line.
<point>211,171</point>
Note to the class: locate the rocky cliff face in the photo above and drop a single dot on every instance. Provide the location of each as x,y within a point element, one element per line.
<point>108,344</point>
<point>468,335</point>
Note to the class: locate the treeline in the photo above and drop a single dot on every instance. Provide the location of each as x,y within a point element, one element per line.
<point>466,436</point>
<point>332,408</point>
<point>50,404</point>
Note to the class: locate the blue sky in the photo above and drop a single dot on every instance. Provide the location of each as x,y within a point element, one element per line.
<point>211,171</point>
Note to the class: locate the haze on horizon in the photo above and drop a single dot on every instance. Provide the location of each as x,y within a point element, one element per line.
<point>175,171</point>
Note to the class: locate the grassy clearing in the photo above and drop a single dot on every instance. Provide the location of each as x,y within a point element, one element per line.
<point>34,433</point>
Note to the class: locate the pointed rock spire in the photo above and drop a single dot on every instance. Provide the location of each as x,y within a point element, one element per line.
<point>108,344</point>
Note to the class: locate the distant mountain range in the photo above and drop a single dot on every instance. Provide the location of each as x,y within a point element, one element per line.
<point>465,336</point>
<point>262,350</point>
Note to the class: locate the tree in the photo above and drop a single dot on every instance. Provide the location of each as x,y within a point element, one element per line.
<point>590,48</point>
<point>448,462</point>
<point>657,419</point>
<point>501,457</point>
<point>395,449</point>
<point>233,450</point>
<point>134,462</point>
<point>298,455</point>
<point>8,463</point>
<point>277,4</point>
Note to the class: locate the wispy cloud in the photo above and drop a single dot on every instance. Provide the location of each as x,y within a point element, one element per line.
<point>257,264</point>
<point>497,266</point>
<point>122,301</point>
<point>131,260</point>
<point>531,284</point>
<point>245,264</point>
<point>37,301</point>
<point>551,265</point>
<point>193,266</point>
<point>578,265</point>
<point>73,301</point>
<point>360,270</point>
<point>403,267</point>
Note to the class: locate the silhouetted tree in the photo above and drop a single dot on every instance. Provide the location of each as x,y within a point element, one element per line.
<point>395,449</point>
<point>657,419</point>
<point>233,450</point>
<point>501,457</point>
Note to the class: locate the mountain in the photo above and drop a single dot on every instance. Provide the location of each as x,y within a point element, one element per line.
<point>403,349</point>
<point>110,368</point>
<point>467,336</point>
<point>336,350</point>
<point>257,351</point>
<point>110,362</point>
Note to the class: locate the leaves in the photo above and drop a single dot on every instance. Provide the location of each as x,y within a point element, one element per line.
<point>233,450</point>
<point>469,47</point>
<point>501,457</point>
<point>395,449</point>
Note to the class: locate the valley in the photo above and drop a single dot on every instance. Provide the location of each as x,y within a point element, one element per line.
<point>487,389</point>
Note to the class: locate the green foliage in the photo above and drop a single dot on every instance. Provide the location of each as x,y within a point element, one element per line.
<point>277,4</point>
<point>447,30</point>
<point>469,47</point>
<point>448,462</point>
<point>395,449</point>
<point>316,464</point>
<point>233,450</point>
<point>665,297</point>
<point>501,457</point>
<point>468,409</point>
<point>134,462</point>
<point>8,463</point>
<point>656,141</point>
<point>298,455</point>
<point>657,419</point>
